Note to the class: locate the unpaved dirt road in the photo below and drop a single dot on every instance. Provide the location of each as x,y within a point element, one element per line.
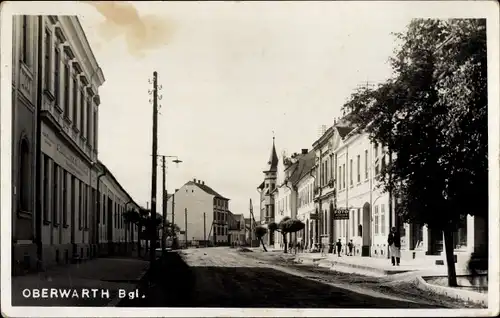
<point>224,277</point>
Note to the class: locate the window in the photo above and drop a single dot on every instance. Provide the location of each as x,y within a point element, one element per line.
<point>375,150</point>
<point>57,70</point>
<point>24,35</point>
<point>82,115</point>
<point>55,195</point>
<point>48,50</point>
<point>24,177</point>
<point>79,125</point>
<point>75,102</point>
<point>376,220</point>
<point>366,164</point>
<point>80,207</point>
<point>74,203</point>
<point>94,136</point>
<point>66,91</point>
<point>359,217</point>
<point>85,206</point>
<point>376,169</point>
<point>383,163</point>
<point>343,176</point>
<point>65,198</point>
<point>89,111</point>
<point>382,219</point>
<point>45,188</point>
<point>350,172</point>
<point>93,203</point>
<point>353,224</point>
<point>359,169</point>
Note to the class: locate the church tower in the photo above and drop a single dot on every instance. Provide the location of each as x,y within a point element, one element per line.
<point>267,189</point>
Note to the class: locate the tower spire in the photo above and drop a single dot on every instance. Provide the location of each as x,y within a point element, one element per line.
<point>273,159</point>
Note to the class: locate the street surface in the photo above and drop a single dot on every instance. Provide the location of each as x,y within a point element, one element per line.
<point>225,277</point>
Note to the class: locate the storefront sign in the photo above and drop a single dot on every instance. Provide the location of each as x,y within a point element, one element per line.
<point>341,214</point>
<point>62,155</point>
<point>313,216</point>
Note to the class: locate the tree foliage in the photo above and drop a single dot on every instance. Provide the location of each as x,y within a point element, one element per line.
<point>432,115</point>
<point>285,226</point>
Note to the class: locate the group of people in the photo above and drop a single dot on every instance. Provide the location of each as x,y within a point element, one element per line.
<point>393,240</point>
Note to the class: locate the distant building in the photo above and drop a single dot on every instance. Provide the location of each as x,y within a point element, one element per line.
<point>206,210</point>
<point>266,188</point>
<point>236,228</point>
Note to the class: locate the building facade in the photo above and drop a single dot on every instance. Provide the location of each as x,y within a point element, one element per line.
<point>236,228</point>
<point>266,191</point>
<point>70,78</point>
<point>201,214</point>
<point>347,172</point>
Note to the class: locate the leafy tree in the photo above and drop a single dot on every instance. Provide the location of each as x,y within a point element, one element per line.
<point>260,231</point>
<point>432,115</point>
<point>285,226</point>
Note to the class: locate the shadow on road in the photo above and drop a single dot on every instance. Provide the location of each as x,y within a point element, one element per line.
<point>174,284</point>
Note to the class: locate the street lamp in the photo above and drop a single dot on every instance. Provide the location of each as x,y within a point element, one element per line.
<point>164,199</point>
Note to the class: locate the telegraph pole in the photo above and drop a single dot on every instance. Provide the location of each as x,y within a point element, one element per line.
<point>205,228</point>
<point>164,208</point>
<point>153,167</point>
<point>186,225</point>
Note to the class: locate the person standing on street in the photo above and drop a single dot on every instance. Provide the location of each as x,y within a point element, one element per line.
<point>350,246</point>
<point>394,241</point>
<point>339,247</point>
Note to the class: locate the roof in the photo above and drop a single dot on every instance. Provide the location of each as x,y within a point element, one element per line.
<point>344,130</point>
<point>272,163</point>
<point>302,167</point>
<point>207,189</point>
<point>108,173</point>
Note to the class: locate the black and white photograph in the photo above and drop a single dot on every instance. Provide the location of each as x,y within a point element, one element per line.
<point>250,158</point>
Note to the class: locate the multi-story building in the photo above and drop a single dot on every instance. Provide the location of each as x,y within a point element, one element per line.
<point>200,212</point>
<point>115,236</point>
<point>236,228</point>
<point>357,164</point>
<point>68,97</point>
<point>305,199</point>
<point>266,190</point>
<point>287,195</point>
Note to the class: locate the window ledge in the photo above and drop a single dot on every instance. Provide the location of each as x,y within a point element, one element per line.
<point>45,222</point>
<point>66,119</point>
<point>66,226</point>
<point>49,94</point>
<point>22,214</point>
<point>58,108</point>
<point>55,225</point>
<point>75,129</point>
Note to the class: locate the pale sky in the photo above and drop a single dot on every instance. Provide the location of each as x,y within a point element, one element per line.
<point>232,73</point>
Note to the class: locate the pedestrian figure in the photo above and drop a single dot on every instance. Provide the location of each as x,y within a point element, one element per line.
<point>350,245</point>
<point>339,248</point>
<point>394,241</point>
<point>322,247</point>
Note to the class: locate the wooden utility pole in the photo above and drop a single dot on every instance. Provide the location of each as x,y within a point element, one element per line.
<point>205,228</point>
<point>164,208</point>
<point>154,164</point>
<point>252,220</point>
<point>186,226</point>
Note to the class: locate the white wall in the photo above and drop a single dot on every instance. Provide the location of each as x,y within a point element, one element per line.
<point>197,202</point>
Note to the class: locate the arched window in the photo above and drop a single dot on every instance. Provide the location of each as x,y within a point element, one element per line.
<point>24,176</point>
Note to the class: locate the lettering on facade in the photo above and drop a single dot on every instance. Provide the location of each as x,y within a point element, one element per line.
<point>341,214</point>
<point>70,161</point>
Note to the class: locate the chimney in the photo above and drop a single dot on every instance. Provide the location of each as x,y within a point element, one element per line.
<point>203,182</point>
<point>194,180</point>
<point>304,151</point>
<point>176,190</point>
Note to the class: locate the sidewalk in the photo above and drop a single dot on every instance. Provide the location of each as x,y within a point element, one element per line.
<point>105,275</point>
<point>371,265</point>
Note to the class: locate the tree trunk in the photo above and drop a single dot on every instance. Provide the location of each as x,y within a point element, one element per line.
<point>450,260</point>
<point>263,246</point>
<point>285,242</point>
